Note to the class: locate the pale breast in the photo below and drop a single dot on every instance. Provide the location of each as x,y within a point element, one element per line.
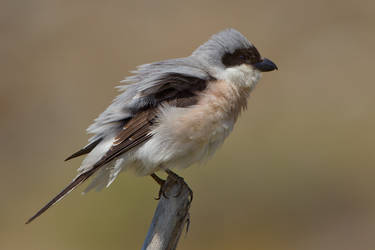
<point>184,136</point>
<point>215,113</point>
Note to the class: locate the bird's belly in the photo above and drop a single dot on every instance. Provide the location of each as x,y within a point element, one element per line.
<point>201,142</point>
<point>183,137</point>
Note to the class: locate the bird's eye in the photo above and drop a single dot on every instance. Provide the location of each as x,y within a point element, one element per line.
<point>242,57</point>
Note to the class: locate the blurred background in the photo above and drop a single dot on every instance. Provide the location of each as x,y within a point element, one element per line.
<point>296,173</point>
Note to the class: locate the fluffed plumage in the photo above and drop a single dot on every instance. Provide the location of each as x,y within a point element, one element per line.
<point>171,113</point>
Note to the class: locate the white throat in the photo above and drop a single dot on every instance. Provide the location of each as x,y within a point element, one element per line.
<point>241,76</point>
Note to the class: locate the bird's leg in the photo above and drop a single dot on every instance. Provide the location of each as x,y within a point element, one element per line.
<point>180,181</point>
<point>163,186</point>
<point>175,178</point>
<point>161,182</point>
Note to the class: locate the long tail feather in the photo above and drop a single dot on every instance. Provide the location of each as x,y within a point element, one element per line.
<point>87,149</point>
<point>81,178</point>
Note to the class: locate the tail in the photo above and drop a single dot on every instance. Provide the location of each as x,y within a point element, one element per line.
<point>78,180</point>
<point>85,150</point>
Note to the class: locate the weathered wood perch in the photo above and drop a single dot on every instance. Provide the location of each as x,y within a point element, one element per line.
<point>170,217</point>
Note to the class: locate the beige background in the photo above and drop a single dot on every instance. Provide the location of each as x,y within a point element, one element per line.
<point>297,173</point>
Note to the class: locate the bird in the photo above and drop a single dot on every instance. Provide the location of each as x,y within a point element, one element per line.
<point>171,113</point>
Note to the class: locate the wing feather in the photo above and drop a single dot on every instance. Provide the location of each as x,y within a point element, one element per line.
<point>175,89</point>
<point>135,132</point>
<point>87,149</point>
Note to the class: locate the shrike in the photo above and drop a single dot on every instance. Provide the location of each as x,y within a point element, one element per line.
<point>171,113</point>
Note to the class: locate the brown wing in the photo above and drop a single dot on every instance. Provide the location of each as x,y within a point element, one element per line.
<point>179,90</point>
<point>136,131</point>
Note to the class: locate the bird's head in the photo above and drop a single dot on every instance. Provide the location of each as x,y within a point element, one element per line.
<point>228,55</point>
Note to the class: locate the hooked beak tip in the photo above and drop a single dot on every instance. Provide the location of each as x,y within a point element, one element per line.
<point>266,65</point>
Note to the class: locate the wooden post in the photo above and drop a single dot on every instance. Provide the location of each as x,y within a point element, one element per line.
<point>170,217</point>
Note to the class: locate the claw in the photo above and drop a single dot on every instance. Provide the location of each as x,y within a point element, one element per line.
<point>180,180</point>
<point>163,188</point>
<point>159,195</point>
<point>162,192</point>
<point>161,182</point>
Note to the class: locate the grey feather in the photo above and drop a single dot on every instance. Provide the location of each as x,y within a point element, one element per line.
<point>226,41</point>
<point>124,133</point>
<point>147,79</point>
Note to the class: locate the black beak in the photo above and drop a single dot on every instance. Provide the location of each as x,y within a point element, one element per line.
<point>265,65</point>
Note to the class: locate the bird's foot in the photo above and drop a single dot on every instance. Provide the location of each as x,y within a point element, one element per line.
<point>165,184</point>
<point>161,182</point>
<point>181,183</point>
